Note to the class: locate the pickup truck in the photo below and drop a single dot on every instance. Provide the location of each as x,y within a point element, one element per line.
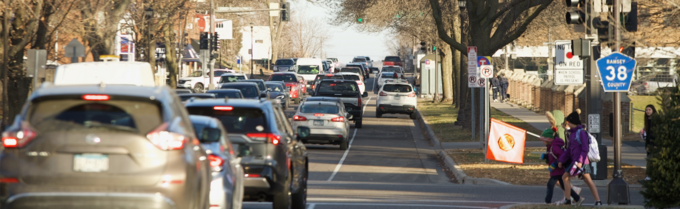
<point>348,91</point>
<point>651,84</point>
<point>392,61</point>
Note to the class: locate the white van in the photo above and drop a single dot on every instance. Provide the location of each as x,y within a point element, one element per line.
<point>85,73</point>
<point>308,68</point>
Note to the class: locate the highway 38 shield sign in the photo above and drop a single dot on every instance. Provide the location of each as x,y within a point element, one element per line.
<point>616,71</point>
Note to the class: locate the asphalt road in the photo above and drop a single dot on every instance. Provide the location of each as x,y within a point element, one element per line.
<point>390,165</point>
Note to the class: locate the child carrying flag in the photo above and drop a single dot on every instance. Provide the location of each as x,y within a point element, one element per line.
<point>554,144</point>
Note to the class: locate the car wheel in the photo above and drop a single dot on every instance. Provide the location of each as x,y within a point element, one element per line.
<point>413,115</point>
<point>358,123</point>
<point>378,113</point>
<point>282,200</point>
<point>344,144</point>
<point>198,88</point>
<point>300,197</point>
<point>237,197</point>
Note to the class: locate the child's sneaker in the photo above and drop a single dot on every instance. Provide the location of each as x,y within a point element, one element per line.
<point>580,201</point>
<point>563,202</point>
<point>598,203</point>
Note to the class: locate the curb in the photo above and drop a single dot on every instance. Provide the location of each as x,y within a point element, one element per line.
<point>583,206</point>
<point>461,177</point>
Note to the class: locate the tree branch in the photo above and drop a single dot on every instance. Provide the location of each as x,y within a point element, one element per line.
<point>436,13</point>
<point>517,32</point>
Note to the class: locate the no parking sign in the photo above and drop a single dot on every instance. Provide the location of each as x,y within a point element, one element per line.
<point>486,71</point>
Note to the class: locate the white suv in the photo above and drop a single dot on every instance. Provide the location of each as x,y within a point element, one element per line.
<point>197,82</point>
<point>397,98</point>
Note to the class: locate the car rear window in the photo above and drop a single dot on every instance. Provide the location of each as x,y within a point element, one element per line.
<point>316,108</point>
<point>318,77</point>
<point>308,69</point>
<point>351,70</point>
<point>393,59</point>
<point>397,88</point>
<point>338,87</point>
<point>227,94</point>
<point>231,78</point>
<point>359,60</point>
<point>185,97</point>
<point>285,62</point>
<point>275,87</point>
<point>260,84</point>
<point>351,77</point>
<point>387,75</point>
<point>139,117</point>
<point>283,77</point>
<point>238,120</point>
<point>247,91</point>
<point>390,69</point>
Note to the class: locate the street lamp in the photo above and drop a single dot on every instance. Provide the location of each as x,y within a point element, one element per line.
<point>461,4</point>
<point>252,50</point>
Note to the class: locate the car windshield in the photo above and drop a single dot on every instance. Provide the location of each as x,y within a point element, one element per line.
<point>390,69</point>
<point>227,94</point>
<point>196,74</point>
<point>351,70</point>
<point>393,59</point>
<point>397,88</point>
<point>236,121</point>
<point>283,77</point>
<point>260,84</point>
<point>339,87</point>
<point>275,87</point>
<point>317,108</point>
<point>185,97</point>
<point>231,78</point>
<point>285,62</point>
<point>308,69</point>
<point>60,115</point>
<point>219,73</point>
<point>247,91</point>
<point>351,77</point>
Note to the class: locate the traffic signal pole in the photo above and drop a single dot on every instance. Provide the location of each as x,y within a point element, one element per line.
<point>211,86</point>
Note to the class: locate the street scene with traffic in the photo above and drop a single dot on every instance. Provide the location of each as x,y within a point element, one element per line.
<point>325,104</point>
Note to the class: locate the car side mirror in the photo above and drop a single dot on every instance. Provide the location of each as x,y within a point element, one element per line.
<point>302,132</point>
<point>244,150</point>
<point>349,116</point>
<point>210,135</point>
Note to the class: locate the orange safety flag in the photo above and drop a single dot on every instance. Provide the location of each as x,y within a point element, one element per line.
<point>506,142</point>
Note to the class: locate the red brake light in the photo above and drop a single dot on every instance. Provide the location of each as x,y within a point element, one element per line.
<point>338,119</point>
<point>252,175</point>
<point>382,93</point>
<point>165,140</point>
<point>299,118</point>
<point>413,94</point>
<point>215,161</point>
<point>9,180</point>
<point>329,75</point>
<point>96,97</point>
<point>360,83</point>
<point>318,114</point>
<point>359,101</point>
<point>271,138</point>
<point>223,108</point>
<point>15,139</point>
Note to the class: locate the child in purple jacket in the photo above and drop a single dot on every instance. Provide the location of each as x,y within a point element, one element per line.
<point>551,138</point>
<point>577,155</point>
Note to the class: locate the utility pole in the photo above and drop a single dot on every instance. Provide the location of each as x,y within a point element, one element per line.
<point>211,86</point>
<point>5,65</point>
<point>252,50</point>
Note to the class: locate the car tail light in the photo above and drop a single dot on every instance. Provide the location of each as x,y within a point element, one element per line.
<point>17,139</point>
<point>269,137</point>
<point>299,118</point>
<point>96,97</point>
<point>216,162</point>
<point>318,114</point>
<point>165,140</point>
<point>338,119</point>
<point>223,108</point>
<point>9,180</point>
<point>382,93</point>
<point>329,75</point>
<point>360,101</point>
<point>360,83</point>
<point>252,175</point>
<point>412,94</point>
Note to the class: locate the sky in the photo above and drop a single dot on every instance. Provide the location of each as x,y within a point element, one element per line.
<point>346,42</point>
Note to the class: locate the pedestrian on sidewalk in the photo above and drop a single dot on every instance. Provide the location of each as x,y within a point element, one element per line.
<point>496,86</point>
<point>647,133</point>
<point>575,158</point>
<point>555,148</point>
<point>504,88</point>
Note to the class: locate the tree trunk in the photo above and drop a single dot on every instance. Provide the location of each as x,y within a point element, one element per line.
<point>447,71</point>
<point>458,82</point>
<point>170,54</point>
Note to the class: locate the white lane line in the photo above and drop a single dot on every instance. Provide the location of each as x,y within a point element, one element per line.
<point>403,205</point>
<point>311,206</point>
<point>358,200</point>
<point>337,168</point>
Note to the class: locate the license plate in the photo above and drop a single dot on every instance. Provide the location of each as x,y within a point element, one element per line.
<point>397,97</point>
<point>318,122</point>
<point>90,162</point>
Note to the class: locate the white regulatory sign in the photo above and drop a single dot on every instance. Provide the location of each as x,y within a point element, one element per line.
<point>568,77</point>
<point>486,71</point>
<point>473,81</point>
<point>568,67</point>
<point>472,60</point>
<point>594,123</point>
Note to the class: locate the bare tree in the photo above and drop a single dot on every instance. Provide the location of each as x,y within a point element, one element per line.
<point>304,36</point>
<point>101,19</point>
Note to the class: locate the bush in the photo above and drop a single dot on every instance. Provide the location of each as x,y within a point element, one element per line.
<point>663,166</point>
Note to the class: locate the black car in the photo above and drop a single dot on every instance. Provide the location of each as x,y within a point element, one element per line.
<point>320,77</point>
<point>278,92</point>
<point>250,90</point>
<point>260,84</point>
<point>183,91</point>
<point>185,97</point>
<point>374,69</point>
<point>284,65</point>
<point>364,69</point>
<point>274,160</point>
<point>103,146</point>
<point>348,91</point>
<point>227,93</point>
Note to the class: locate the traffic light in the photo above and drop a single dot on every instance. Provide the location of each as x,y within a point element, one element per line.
<point>630,20</point>
<point>360,20</point>
<point>602,29</point>
<point>213,42</point>
<point>205,42</point>
<point>630,50</point>
<point>434,48</point>
<point>576,15</point>
<point>422,46</point>
<point>285,12</point>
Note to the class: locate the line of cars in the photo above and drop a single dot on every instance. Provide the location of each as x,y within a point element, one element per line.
<point>111,139</point>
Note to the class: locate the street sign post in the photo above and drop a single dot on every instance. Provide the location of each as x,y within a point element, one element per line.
<point>568,67</point>
<point>486,71</point>
<point>74,49</point>
<point>472,80</point>
<point>616,71</point>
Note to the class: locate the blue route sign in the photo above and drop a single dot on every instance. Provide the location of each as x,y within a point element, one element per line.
<point>616,71</point>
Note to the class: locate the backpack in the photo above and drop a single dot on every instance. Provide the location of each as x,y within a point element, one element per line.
<point>593,151</point>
